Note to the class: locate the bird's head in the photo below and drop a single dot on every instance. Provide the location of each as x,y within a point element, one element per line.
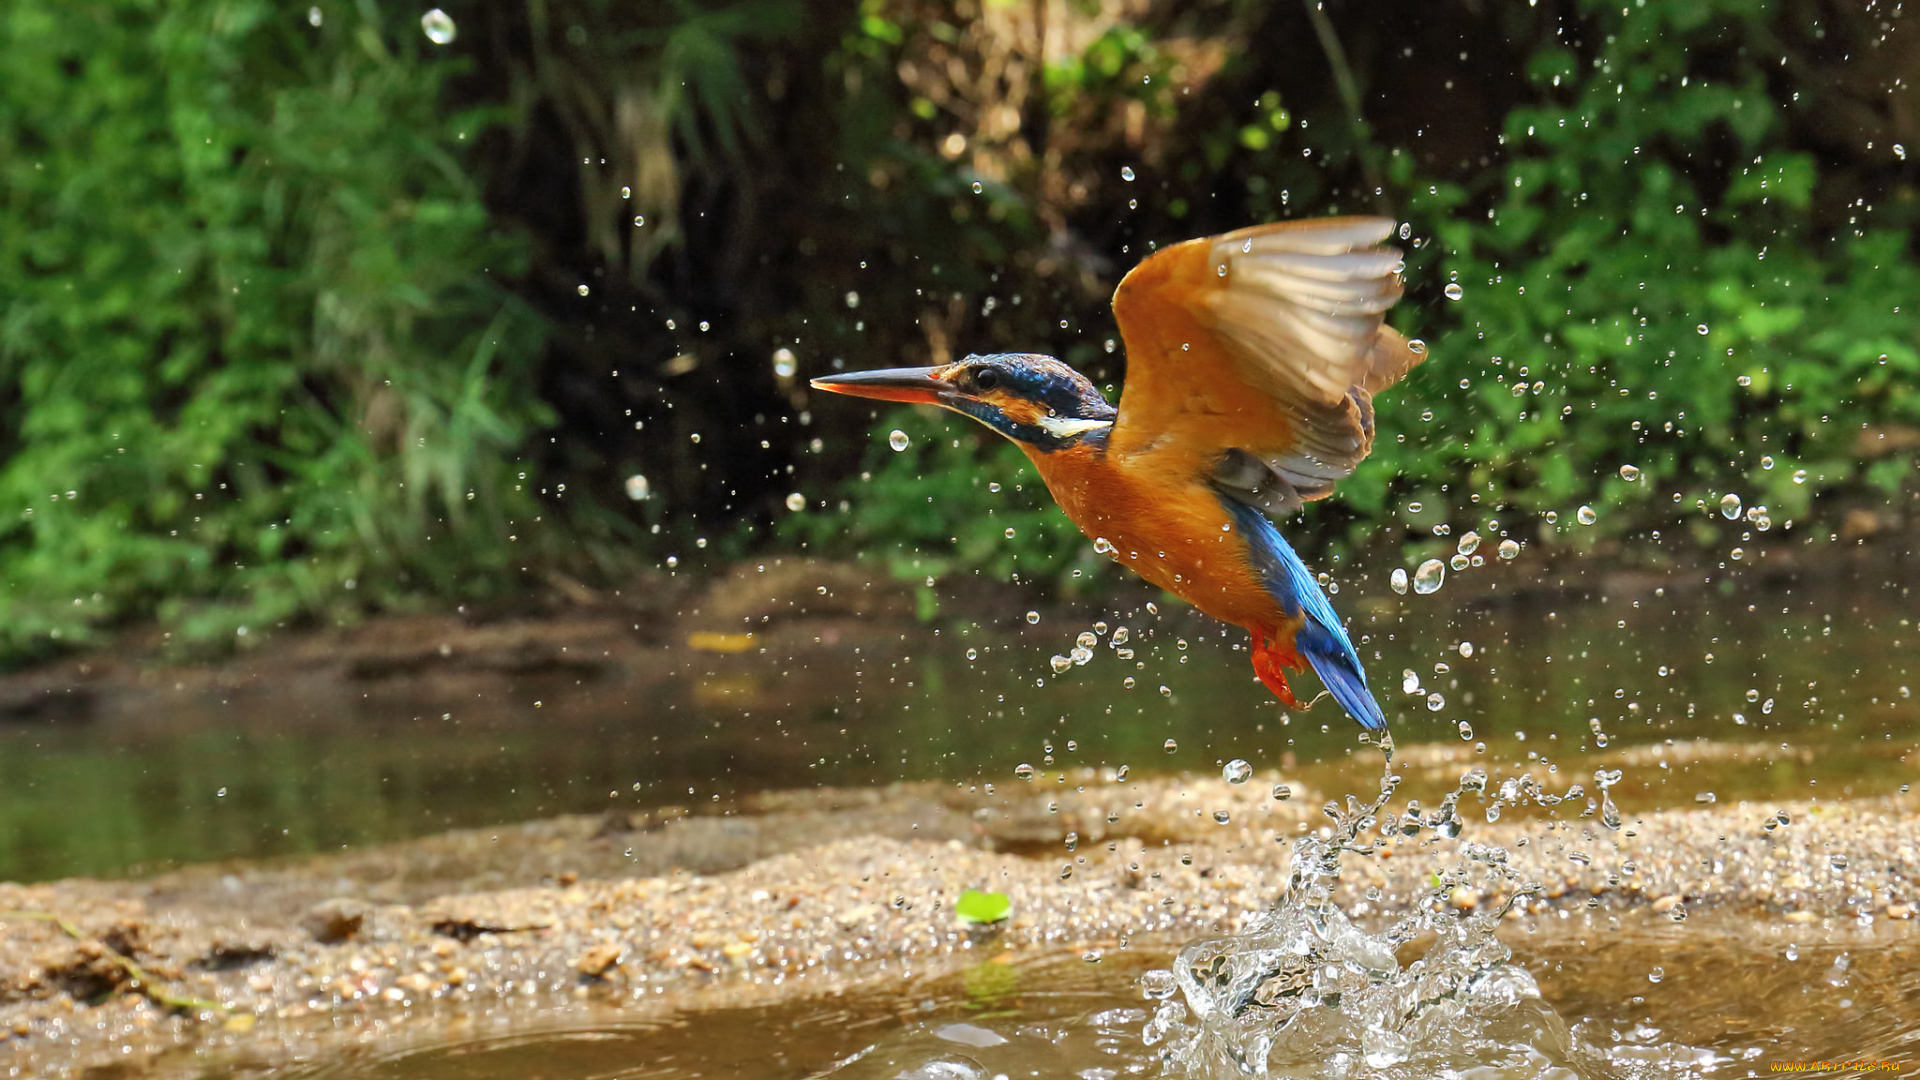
<point>1034,400</point>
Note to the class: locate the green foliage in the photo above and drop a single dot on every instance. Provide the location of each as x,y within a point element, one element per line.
<point>252,354</point>
<point>978,907</point>
<point>1642,285</point>
<point>1625,304</point>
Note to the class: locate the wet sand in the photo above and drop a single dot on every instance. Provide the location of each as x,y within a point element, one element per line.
<point>790,895</point>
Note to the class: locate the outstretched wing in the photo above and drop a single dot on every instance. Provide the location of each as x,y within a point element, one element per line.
<point>1256,354</point>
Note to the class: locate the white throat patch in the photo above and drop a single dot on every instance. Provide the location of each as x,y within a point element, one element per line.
<point>1061,427</point>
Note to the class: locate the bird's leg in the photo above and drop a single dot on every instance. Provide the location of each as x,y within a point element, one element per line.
<point>1268,660</point>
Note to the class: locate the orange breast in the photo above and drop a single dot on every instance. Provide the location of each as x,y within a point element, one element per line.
<point>1170,530</point>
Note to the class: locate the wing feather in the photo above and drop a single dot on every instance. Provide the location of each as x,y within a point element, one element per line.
<point>1255,355</point>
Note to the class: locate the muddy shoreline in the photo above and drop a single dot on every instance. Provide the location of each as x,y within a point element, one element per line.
<point>655,630</point>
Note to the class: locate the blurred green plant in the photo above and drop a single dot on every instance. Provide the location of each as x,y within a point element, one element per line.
<point>1638,330</point>
<point>1647,316</point>
<point>253,361</point>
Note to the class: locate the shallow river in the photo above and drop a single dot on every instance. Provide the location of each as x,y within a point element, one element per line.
<point>1818,685</point>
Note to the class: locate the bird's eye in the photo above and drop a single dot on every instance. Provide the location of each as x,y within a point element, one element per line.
<point>986,378</point>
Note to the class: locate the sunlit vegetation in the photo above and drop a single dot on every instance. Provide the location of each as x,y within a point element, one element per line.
<point>308,315</point>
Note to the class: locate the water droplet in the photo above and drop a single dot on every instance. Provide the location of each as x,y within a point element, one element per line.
<point>1793,952</point>
<point>1127,683</point>
<point>1033,618</point>
<point>1458,562</point>
<point>1170,746</point>
<point>1466,731</point>
<point>1281,793</point>
<point>637,488</point>
<point>853,299</point>
<point>1060,663</point>
<point>626,192</point>
<point>221,794</point>
<point>1429,577</point>
<point>1417,347</point>
<point>784,364</point>
<point>1469,543</point>
<point>1398,580</point>
<point>1220,817</point>
<point>1702,328</point>
<point>639,220</point>
<point>1236,771</point>
<point>1066,871</point>
<point>1656,974</point>
<point>1839,862</point>
<point>1766,461</point>
<point>1799,476</point>
<point>1436,702</point>
<point>1009,532</point>
<point>897,439</point>
<point>1158,984</point>
<point>583,290</point>
<point>973,654</point>
<point>1585,515</point>
<point>1630,473</point>
<point>796,502</point>
<point>315,16</point>
<point>1126,173</point>
<point>1023,770</point>
<point>1166,691</point>
<point>1092,956</point>
<point>1454,291</point>
<point>438,26</point>
<point>978,187</point>
<point>1509,549</point>
<point>1466,649</point>
<point>1730,506</point>
<point>1900,151</point>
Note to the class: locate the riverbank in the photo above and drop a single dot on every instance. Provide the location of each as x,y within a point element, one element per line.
<point>646,631</point>
<point>800,894</point>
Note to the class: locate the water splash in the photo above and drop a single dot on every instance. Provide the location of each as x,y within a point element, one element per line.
<point>1305,991</point>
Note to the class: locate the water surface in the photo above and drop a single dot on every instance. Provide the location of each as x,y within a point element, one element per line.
<point>1811,687</point>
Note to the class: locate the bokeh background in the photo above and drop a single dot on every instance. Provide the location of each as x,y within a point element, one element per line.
<point>308,313</point>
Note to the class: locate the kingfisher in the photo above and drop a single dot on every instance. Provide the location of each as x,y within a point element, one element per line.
<point>1253,359</point>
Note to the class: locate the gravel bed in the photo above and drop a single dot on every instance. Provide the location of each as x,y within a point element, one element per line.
<point>810,893</point>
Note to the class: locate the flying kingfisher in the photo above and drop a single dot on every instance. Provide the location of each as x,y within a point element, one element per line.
<point>1252,361</point>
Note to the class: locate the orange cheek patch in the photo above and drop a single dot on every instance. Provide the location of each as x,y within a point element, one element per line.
<point>1018,410</point>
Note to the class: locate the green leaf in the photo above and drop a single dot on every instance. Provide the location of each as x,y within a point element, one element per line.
<point>979,908</point>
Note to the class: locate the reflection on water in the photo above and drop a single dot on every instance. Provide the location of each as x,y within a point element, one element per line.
<point>1654,1000</point>
<point>1814,686</point>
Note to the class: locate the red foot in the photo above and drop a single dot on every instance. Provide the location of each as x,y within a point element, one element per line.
<point>1268,660</point>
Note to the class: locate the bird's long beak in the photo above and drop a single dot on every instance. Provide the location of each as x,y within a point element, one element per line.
<point>919,386</point>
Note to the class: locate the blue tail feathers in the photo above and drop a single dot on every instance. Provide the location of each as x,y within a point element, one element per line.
<point>1321,639</point>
